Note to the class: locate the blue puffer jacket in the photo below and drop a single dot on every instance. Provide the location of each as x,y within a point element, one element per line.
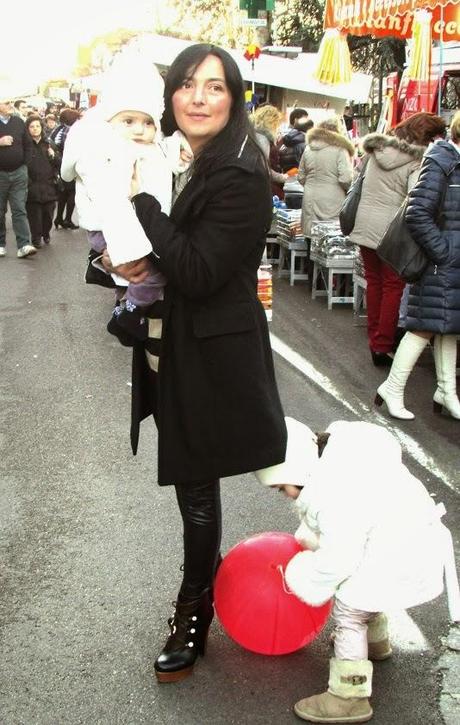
<point>434,301</point>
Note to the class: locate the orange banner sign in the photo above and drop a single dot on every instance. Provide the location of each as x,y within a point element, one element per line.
<point>392,17</point>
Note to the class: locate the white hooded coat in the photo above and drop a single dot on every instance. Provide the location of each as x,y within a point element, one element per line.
<point>102,163</point>
<point>375,533</point>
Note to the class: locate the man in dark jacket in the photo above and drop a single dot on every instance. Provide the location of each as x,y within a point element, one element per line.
<point>15,146</point>
<point>293,142</point>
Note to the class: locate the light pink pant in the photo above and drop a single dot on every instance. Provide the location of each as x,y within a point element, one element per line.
<point>350,641</point>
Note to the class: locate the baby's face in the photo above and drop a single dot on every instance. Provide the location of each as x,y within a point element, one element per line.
<point>134,126</point>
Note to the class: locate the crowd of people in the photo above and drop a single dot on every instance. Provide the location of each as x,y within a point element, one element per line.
<point>175,193</point>
<point>31,148</point>
<point>401,318</point>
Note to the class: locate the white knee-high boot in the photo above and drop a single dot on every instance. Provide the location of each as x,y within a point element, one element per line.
<point>391,391</point>
<point>445,360</point>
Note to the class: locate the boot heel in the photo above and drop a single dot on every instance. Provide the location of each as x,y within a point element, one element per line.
<point>174,676</point>
<point>437,408</point>
<point>378,400</point>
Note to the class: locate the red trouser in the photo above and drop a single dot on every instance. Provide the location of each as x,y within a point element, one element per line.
<point>383,296</point>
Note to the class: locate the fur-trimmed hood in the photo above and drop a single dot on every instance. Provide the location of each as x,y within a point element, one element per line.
<point>391,151</point>
<point>318,138</point>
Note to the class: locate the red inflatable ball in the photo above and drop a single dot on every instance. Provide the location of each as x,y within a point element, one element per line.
<point>252,603</point>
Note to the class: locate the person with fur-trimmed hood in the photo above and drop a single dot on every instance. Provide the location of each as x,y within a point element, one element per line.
<point>325,172</point>
<point>392,169</point>
<point>373,541</point>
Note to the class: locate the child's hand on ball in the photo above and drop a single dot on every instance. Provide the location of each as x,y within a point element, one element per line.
<point>289,489</point>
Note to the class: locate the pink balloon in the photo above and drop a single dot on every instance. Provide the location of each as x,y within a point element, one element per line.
<point>252,603</point>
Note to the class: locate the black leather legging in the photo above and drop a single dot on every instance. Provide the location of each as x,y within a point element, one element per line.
<point>200,506</point>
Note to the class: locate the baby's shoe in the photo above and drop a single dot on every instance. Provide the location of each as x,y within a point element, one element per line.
<point>115,329</point>
<point>132,320</point>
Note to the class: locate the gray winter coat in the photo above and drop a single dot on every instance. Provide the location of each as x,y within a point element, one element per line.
<point>391,171</point>
<point>433,217</point>
<point>325,172</point>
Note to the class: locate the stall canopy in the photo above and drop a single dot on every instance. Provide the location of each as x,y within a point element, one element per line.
<point>392,17</point>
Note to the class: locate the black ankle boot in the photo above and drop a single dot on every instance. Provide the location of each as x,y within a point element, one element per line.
<point>189,631</point>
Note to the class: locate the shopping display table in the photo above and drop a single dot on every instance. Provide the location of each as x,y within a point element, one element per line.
<point>293,256</point>
<point>337,276</point>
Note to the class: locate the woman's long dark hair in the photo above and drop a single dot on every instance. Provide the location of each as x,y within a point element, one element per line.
<point>227,143</point>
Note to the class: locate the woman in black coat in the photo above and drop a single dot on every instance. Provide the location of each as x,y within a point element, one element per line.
<point>207,371</point>
<point>43,168</point>
<point>433,218</point>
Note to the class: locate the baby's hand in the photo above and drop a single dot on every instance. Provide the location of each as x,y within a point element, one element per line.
<point>186,156</point>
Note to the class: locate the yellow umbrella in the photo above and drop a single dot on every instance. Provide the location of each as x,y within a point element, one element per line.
<point>419,63</point>
<point>334,65</point>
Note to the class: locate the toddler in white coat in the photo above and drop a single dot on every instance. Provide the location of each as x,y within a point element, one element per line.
<point>373,541</point>
<point>123,132</point>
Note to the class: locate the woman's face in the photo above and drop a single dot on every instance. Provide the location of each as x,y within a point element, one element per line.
<point>202,104</point>
<point>35,129</point>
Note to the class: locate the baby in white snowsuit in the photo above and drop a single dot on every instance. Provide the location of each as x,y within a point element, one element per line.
<point>123,132</point>
<point>374,541</point>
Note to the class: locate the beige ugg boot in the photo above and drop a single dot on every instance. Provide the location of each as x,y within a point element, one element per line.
<point>346,700</point>
<point>378,642</point>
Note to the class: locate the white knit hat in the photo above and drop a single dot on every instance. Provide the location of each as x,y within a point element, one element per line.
<point>132,84</point>
<point>301,456</point>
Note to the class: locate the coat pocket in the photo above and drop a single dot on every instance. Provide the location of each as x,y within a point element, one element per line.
<point>232,318</point>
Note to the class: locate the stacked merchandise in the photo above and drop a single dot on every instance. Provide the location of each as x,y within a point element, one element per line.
<point>289,229</point>
<point>265,288</point>
<point>328,242</point>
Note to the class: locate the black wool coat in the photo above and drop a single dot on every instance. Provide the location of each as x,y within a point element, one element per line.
<point>215,402</point>
<point>433,218</point>
<point>43,172</point>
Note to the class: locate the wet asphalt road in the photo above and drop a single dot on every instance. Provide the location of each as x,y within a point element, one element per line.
<point>90,545</point>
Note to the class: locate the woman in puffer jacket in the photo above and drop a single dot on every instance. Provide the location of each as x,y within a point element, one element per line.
<point>373,542</point>
<point>433,218</point>
<point>392,169</point>
<point>325,172</point>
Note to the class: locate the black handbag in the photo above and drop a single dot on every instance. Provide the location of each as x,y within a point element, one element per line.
<point>398,249</point>
<point>347,214</point>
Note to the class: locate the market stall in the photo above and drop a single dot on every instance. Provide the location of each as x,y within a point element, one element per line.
<point>420,22</point>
